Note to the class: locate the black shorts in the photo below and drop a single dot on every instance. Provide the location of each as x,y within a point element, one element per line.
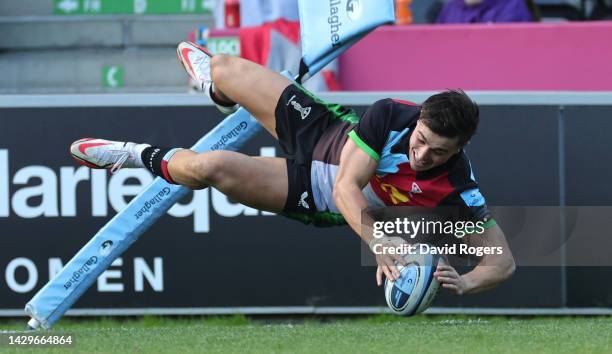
<point>301,119</point>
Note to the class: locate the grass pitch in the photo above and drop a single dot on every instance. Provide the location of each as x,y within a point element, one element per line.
<point>378,334</point>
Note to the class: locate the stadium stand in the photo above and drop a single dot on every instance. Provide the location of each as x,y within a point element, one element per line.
<point>42,52</point>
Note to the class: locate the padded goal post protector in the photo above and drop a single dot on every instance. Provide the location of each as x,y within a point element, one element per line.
<point>330,27</point>
<point>66,287</point>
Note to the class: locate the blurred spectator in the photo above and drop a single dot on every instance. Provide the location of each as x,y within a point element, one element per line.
<point>258,12</point>
<point>270,35</point>
<point>485,11</point>
<point>276,45</point>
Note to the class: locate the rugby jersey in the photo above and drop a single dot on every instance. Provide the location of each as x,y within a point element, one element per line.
<point>383,132</point>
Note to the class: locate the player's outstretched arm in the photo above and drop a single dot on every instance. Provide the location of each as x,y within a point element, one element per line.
<point>492,269</point>
<point>354,172</point>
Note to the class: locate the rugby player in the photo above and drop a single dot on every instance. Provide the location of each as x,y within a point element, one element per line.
<point>396,154</point>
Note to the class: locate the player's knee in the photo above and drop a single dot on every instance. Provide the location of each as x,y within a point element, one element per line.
<point>208,168</point>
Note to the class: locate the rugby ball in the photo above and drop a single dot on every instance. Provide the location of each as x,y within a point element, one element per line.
<point>416,287</point>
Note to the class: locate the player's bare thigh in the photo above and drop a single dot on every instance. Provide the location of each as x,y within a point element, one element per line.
<point>251,85</point>
<point>259,182</point>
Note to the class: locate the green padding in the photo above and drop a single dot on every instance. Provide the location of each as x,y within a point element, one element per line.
<point>338,111</point>
<point>319,219</point>
<point>363,145</point>
<point>489,224</point>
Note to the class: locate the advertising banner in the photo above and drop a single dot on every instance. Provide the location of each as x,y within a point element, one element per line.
<point>209,252</point>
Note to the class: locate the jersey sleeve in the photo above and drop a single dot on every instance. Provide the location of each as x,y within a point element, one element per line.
<point>371,132</point>
<point>474,202</point>
<point>471,206</point>
<point>467,195</point>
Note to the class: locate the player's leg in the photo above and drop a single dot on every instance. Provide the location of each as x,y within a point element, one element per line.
<point>229,80</point>
<point>259,182</point>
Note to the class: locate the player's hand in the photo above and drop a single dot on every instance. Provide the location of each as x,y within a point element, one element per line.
<point>451,280</point>
<point>386,260</point>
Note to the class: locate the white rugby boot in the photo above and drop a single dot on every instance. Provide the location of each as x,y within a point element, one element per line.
<point>196,61</point>
<point>107,154</point>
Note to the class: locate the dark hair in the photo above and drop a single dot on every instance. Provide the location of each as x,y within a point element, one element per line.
<point>451,114</point>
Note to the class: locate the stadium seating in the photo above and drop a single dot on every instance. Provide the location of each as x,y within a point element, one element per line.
<point>41,52</point>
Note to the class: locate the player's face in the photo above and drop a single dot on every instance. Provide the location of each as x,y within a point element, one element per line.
<point>428,149</point>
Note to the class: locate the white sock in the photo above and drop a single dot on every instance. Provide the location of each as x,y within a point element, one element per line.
<point>138,149</point>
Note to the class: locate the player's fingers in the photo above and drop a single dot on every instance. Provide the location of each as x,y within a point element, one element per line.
<point>444,267</point>
<point>452,287</point>
<point>399,259</point>
<point>379,274</point>
<point>388,261</point>
<point>395,271</point>
<point>392,268</point>
<point>387,272</point>
<point>445,273</point>
<point>446,280</point>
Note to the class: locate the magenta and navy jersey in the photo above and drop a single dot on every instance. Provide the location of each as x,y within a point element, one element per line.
<point>383,132</point>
